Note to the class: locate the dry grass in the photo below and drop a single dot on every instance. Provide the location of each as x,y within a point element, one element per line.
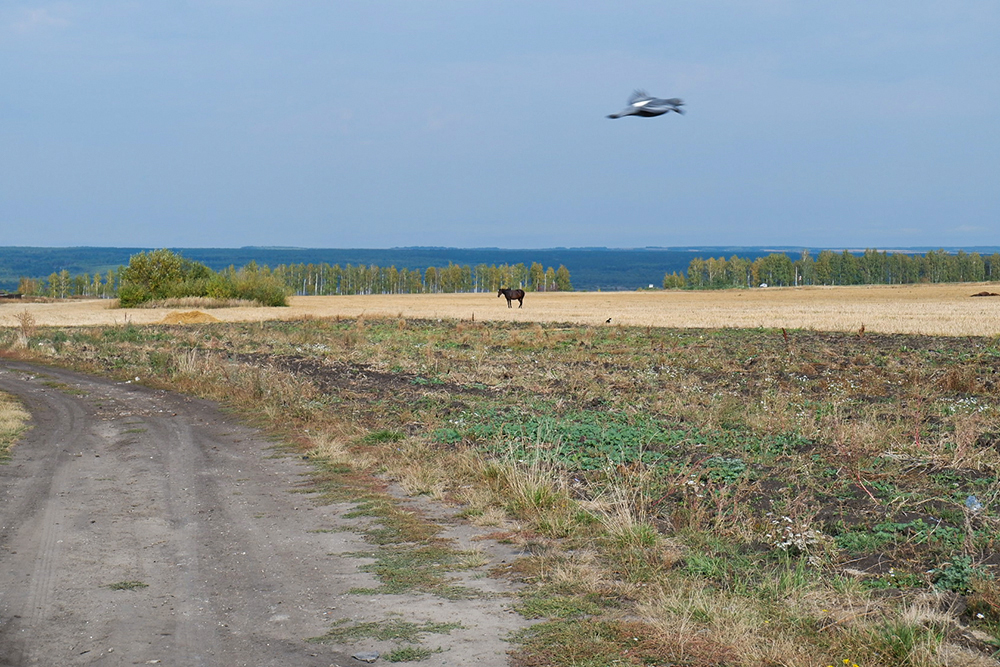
<point>197,302</point>
<point>945,309</point>
<point>336,449</point>
<point>13,418</point>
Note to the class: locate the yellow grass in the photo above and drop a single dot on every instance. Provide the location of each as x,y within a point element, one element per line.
<point>917,309</point>
<point>12,421</point>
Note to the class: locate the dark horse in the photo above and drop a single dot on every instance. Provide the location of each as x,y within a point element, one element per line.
<point>512,294</point>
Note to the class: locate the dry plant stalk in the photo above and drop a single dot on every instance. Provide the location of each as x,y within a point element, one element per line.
<point>27,328</point>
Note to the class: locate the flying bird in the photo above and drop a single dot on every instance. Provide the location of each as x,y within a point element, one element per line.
<point>641,104</point>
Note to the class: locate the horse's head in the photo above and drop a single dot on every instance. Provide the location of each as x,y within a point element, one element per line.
<point>500,293</point>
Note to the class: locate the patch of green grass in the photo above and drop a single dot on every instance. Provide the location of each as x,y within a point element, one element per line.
<point>127,585</point>
<point>346,631</point>
<point>889,533</point>
<point>958,575</point>
<point>903,643</point>
<point>864,541</point>
<point>383,435</point>
<point>599,643</point>
<point>708,566</point>
<point>65,388</point>
<point>131,333</point>
<point>727,470</point>
<point>586,440</point>
<point>559,606</point>
<point>416,568</point>
<point>340,529</point>
<point>394,526</point>
<point>894,580</point>
<point>592,440</point>
<point>410,654</point>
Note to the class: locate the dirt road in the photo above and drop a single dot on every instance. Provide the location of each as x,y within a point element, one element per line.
<point>217,562</point>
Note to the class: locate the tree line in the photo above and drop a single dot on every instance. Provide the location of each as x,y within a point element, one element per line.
<point>323,279</point>
<point>836,268</point>
<point>300,279</point>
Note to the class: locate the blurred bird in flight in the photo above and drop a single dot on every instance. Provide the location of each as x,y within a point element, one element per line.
<point>641,104</point>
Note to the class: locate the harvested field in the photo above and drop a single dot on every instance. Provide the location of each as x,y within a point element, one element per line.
<point>945,309</point>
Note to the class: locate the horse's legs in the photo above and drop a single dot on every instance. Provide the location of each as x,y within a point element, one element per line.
<point>520,302</point>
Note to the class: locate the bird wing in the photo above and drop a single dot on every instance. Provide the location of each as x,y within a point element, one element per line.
<point>663,106</point>
<point>639,98</point>
<point>661,103</point>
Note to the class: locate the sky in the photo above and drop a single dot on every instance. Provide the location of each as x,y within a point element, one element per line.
<point>470,123</point>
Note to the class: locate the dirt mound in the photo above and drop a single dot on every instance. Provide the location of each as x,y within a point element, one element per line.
<point>986,294</point>
<point>188,317</point>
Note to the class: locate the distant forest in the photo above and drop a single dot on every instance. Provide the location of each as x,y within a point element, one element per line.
<point>590,268</point>
<point>93,271</point>
<point>832,268</point>
<point>301,279</point>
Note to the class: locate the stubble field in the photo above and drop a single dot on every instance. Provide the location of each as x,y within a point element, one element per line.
<point>945,310</point>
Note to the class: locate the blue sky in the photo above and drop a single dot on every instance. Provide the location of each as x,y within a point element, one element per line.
<point>325,123</point>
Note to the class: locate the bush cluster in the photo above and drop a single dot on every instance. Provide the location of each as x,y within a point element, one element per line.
<point>162,274</point>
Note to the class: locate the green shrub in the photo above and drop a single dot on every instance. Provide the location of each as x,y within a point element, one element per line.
<point>150,276</point>
<point>162,274</point>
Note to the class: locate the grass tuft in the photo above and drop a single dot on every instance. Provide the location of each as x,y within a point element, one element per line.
<point>346,631</point>
<point>13,422</point>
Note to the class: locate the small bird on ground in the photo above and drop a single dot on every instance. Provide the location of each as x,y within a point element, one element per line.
<point>608,321</point>
<point>641,104</point>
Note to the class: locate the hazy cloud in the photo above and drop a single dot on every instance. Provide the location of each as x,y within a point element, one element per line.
<point>29,21</point>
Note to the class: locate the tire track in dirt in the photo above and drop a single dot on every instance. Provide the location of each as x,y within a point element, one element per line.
<point>119,483</point>
<point>42,582</point>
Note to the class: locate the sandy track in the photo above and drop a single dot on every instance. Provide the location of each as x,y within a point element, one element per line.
<point>942,309</point>
<point>116,482</point>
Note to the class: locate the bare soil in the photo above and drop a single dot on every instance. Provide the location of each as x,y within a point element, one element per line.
<point>139,526</point>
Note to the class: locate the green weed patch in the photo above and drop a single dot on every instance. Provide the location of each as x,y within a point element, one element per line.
<point>393,629</point>
<point>408,569</point>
